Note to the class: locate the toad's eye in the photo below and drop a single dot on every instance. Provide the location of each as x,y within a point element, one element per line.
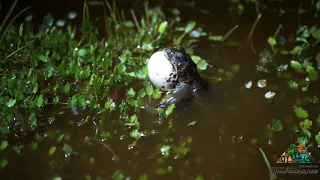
<point>179,57</point>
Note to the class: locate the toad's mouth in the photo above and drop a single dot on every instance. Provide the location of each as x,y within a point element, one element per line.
<point>168,53</point>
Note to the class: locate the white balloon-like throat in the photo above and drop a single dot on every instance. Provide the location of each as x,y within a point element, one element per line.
<point>159,70</point>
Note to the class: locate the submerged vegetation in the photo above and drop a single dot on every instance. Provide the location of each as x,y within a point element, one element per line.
<point>61,70</point>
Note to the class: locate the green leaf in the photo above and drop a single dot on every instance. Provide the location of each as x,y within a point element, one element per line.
<point>163,27</point>
<point>312,73</point>
<point>87,177</point>
<point>192,123</point>
<point>48,20</point>
<point>161,171</point>
<point>296,65</point>
<point>39,101</point>
<point>235,68</point>
<point>142,93</point>
<point>306,124</point>
<point>118,175</point>
<point>254,141</point>
<point>110,105</point>
<point>82,52</point>
<point>296,50</point>
<point>21,30</point>
<point>60,137</point>
<point>33,145</point>
<point>4,145</point>
<point>135,133</point>
<point>72,101</point>
<point>160,111</point>
<point>147,46</point>
<point>175,12</point>
<point>216,38</point>
<point>42,58</point>
<point>272,41</point>
<point>165,149</point>
<point>156,93</point>
<point>18,149</point>
<point>316,33</point>
<point>195,59</point>
<point>202,65</point>
<point>271,175</point>
<point>170,109</point>
<point>143,177</point>
<point>128,24</point>
<point>72,15</point>
<point>67,149</point>
<point>300,112</point>
<point>199,177</point>
<point>11,103</point>
<point>317,137</point>
<point>60,23</point>
<point>106,135</point>
<point>133,118</point>
<point>131,92</point>
<point>149,90</point>
<point>276,125</point>
<point>35,88</point>
<point>28,18</point>
<point>56,99</point>
<point>81,101</point>
<point>306,132</point>
<point>52,150</point>
<point>293,84</point>
<point>3,163</point>
<point>33,120</point>
<point>67,88</point>
<point>189,27</point>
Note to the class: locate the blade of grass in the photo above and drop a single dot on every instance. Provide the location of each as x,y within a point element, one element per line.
<point>253,27</point>
<point>108,147</point>
<point>272,176</point>
<point>85,11</point>
<point>11,21</point>
<point>106,22</point>
<point>146,8</point>
<point>277,31</point>
<point>135,20</point>
<point>8,14</point>
<point>18,50</point>
<point>229,32</point>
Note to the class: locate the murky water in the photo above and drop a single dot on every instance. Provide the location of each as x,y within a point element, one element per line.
<point>227,120</point>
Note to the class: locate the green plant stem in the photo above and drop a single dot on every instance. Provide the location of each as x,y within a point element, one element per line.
<point>116,12</point>
<point>214,78</point>
<point>277,31</point>
<point>85,11</point>
<point>146,5</point>
<point>271,174</point>
<point>229,32</point>
<point>253,28</point>
<point>110,9</point>
<point>135,20</point>
<point>18,50</point>
<point>9,24</point>
<point>181,37</point>
<point>108,147</point>
<point>8,14</point>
